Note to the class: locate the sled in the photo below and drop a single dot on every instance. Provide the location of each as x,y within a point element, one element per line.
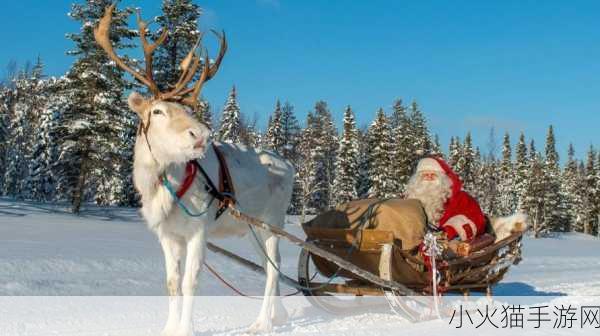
<point>379,252</point>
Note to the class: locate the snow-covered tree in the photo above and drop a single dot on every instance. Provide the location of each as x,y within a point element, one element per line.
<point>22,122</point>
<point>521,170</point>
<point>436,147</point>
<point>250,135</point>
<point>312,175</point>
<point>5,108</point>
<point>44,153</point>
<point>533,200</point>
<point>454,154</point>
<point>274,137</point>
<point>204,114</point>
<point>487,186</point>
<point>363,183</point>
<point>592,192</point>
<point>291,133</point>
<point>96,130</point>
<point>403,146</point>
<point>553,201</point>
<point>230,125</point>
<point>573,190</point>
<point>380,149</point>
<point>345,182</point>
<point>180,19</point>
<point>467,171</point>
<point>317,152</point>
<point>419,131</point>
<point>506,188</point>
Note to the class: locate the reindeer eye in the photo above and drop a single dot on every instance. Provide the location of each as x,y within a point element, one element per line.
<point>157,111</point>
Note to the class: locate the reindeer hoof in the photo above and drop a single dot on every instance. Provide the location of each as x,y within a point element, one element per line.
<point>168,332</point>
<point>280,316</point>
<point>260,326</point>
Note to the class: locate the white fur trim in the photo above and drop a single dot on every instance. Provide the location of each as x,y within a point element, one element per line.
<point>505,226</point>
<point>457,222</point>
<point>429,164</point>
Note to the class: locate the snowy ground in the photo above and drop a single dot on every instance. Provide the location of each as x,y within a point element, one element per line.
<point>47,254</point>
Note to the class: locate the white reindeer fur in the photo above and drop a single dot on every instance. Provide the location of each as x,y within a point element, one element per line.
<point>263,187</point>
<point>505,226</point>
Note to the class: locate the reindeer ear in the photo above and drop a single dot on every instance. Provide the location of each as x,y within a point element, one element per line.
<point>138,103</point>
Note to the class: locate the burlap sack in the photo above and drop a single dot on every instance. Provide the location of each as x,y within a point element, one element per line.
<point>405,218</point>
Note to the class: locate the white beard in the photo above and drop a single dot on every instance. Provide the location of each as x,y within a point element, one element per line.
<point>432,194</point>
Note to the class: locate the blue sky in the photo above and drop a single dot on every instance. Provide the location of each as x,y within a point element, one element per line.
<point>514,65</point>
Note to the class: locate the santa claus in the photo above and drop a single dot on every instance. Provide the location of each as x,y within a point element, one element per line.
<point>447,206</point>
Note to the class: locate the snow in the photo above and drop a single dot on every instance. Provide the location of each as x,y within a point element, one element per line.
<point>53,263</point>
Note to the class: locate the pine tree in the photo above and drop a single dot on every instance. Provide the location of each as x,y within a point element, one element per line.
<point>312,174</point>
<point>553,203</point>
<point>487,185</point>
<point>45,145</point>
<point>454,153</point>
<point>249,133</point>
<point>230,126</point>
<point>96,124</point>
<point>521,170</point>
<point>436,147</point>
<point>274,138</point>
<point>477,191</point>
<point>506,188</point>
<point>592,194</point>
<point>468,164</point>
<point>324,156</point>
<point>363,183</point>
<point>420,133</point>
<point>291,133</point>
<point>379,140</point>
<point>22,122</point>
<point>345,182</point>
<point>534,194</point>
<point>573,184</point>
<point>403,150</point>
<point>180,19</point>
<point>204,114</point>
<point>5,108</point>
<point>398,116</point>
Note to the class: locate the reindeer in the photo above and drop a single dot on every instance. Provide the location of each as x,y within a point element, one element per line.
<point>168,139</point>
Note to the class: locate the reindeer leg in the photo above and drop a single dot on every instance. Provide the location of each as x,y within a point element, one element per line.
<point>172,250</point>
<point>272,310</point>
<point>194,259</point>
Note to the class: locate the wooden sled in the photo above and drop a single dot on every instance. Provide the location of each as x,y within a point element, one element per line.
<point>378,252</point>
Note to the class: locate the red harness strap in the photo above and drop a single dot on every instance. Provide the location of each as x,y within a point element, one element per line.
<point>190,175</point>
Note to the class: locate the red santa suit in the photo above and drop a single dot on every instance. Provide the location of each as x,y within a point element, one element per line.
<point>462,215</point>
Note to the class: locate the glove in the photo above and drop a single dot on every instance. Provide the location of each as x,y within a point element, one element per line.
<point>450,232</point>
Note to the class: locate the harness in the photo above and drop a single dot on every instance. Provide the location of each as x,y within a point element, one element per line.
<point>225,193</point>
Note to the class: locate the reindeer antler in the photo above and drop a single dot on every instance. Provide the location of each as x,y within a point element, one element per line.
<point>189,65</point>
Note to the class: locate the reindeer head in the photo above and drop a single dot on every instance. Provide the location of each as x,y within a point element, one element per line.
<point>171,133</point>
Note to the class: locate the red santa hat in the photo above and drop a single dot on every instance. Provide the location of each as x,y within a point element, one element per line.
<point>429,164</point>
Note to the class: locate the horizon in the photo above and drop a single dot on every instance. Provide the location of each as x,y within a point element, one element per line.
<point>515,66</point>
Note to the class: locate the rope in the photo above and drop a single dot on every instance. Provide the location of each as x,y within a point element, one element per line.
<point>233,288</point>
<point>180,203</point>
<point>280,273</point>
<point>433,250</point>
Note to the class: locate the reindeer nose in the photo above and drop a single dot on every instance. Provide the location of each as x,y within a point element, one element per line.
<point>199,144</point>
